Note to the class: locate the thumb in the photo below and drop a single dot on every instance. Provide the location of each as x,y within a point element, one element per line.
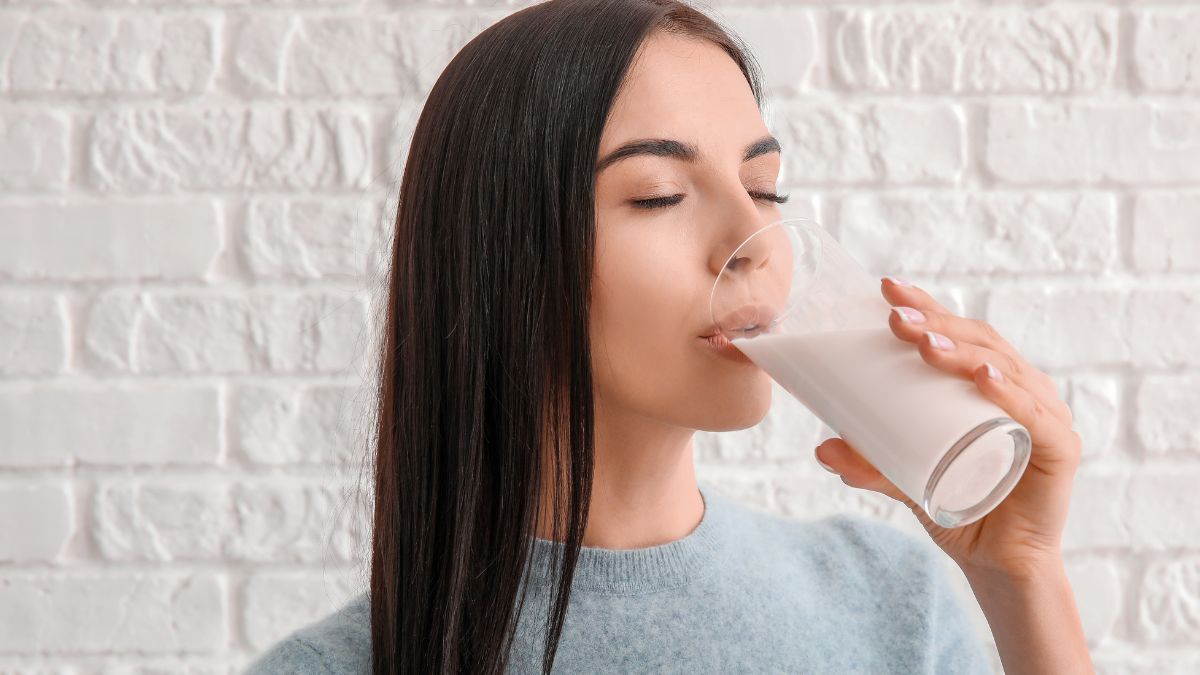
<point>842,459</point>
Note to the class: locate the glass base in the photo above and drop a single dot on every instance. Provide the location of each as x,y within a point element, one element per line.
<point>977,473</point>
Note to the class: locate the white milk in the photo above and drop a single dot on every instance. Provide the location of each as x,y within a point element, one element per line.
<point>899,412</point>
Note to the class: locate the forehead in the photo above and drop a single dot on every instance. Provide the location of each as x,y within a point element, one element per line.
<point>686,88</point>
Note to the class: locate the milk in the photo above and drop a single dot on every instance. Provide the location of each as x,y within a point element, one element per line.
<point>902,414</point>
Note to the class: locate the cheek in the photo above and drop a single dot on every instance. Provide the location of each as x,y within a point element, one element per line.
<point>644,307</point>
<point>649,304</point>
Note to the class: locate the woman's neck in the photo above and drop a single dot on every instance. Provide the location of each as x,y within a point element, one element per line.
<point>644,490</point>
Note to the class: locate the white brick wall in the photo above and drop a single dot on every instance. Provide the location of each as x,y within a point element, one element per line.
<point>193,202</point>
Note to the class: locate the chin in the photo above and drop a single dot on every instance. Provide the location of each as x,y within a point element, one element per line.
<point>728,411</point>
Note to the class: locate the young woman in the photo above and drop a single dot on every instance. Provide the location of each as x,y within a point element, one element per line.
<point>575,181</point>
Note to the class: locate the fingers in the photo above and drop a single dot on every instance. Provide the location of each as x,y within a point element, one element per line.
<point>965,359</point>
<point>974,342</point>
<point>909,322</point>
<point>899,292</point>
<point>1056,445</point>
<point>854,469</point>
<point>857,472</point>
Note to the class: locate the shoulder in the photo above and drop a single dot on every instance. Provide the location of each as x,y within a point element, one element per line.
<point>884,561</point>
<point>858,556</point>
<point>874,554</point>
<point>875,541</point>
<point>338,644</point>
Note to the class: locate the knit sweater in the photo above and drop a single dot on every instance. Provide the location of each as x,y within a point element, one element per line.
<point>745,591</point>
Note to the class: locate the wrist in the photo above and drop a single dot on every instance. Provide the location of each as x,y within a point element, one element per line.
<point>1027,573</point>
<point>1032,613</point>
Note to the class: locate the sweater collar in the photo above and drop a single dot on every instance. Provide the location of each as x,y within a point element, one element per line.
<point>647,569</point>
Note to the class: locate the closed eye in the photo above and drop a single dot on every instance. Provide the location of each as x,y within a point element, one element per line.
<point>660,202</point>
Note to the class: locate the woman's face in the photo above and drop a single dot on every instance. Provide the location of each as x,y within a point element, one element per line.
<point>655,267</point>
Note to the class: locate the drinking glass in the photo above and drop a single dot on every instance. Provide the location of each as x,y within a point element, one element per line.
<point>801,308</point>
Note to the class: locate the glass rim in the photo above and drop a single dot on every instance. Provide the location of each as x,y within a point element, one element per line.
<point>803,223</point>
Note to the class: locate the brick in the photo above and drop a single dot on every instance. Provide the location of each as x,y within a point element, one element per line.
<point>1127,143</point>
<point>194,665</point>
<point>163,150</point>
<point>432,37</point>
<point>160,520</point>
<point>901,143</point>
<point>33,151</point>
<point>1168,610</point>
<point>164,520</point>
<point>105,612</point>
<point>257,46</point>
<point>1166,232</point>
<point>85,52</point>
<point>348,55</point>
<point>109,240</point>
<point>283,425</point>
<point>1097,518</point>
<point>10,26</point>
<point>144,424</point>
<point>33,333</point>
<point>753,490</point>
<point>1165,54</point>
<point>1165,408</point>
<point>1118,660</point>
<point>1164,328</point>
<point>788,431</point>
<point>967,50</point>
<point>306,333</point>
<point>397,139</point>
<point>825,494</point>
<point>291,522</point>
<point>275,604</point>
<point>1163,504</point>
<point>366,56</point>
<point>786,41</point>
<point>311,239</point>
<point>225,333</point>
<point>37,519</point>
<point>106,323</point>
<point>1098,591</point>
<point>1060,328</point>
<point>1096,408</point>
<point>986,233</point>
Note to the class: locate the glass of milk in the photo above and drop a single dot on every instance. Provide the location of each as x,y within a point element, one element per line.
<point>793,300</point>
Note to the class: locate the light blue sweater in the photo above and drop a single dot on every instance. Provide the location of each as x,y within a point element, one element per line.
<point>745,591</point>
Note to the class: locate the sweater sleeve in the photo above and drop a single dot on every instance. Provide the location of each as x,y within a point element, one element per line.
<point>914,570</point>
<point>290,655</point>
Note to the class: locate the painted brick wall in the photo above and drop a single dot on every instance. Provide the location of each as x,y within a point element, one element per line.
<point>194,198</point>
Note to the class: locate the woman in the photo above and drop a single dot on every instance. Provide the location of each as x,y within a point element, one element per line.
<point>544,373</point>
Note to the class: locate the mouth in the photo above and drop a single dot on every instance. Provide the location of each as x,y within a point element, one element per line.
<point>747,320</point>
<point>721,346</point>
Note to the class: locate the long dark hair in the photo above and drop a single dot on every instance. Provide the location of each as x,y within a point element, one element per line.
<point>485,383</point>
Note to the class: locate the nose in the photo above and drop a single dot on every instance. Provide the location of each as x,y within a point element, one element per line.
<point>741,218</point>
<point>744,249</point>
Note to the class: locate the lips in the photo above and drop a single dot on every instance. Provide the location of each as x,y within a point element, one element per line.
<point>737,320</point>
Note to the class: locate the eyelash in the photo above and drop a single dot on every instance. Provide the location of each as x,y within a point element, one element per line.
<point>660,202</point>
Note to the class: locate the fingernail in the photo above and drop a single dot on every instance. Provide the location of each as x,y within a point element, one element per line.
<point>899,281</point>
<point>909,315</point>
<point>939,341</point>
<point>994,372</point>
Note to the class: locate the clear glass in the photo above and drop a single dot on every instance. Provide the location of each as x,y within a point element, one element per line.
<point>796,304</point>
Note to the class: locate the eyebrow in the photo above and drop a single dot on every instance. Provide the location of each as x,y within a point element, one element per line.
<point>666,147</point>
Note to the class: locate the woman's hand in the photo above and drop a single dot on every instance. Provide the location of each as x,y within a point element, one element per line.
<point>1021,537</point>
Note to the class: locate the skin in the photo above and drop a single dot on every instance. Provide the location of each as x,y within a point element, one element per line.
<point>1012,557</point>
<point>654,269</point>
